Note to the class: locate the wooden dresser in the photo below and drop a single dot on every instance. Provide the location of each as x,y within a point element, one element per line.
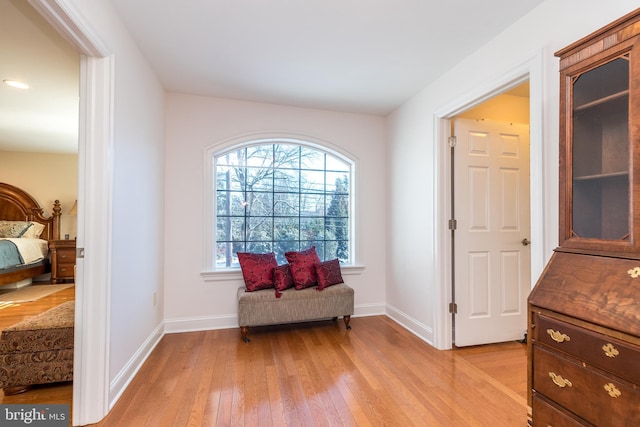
<point>584,312</point>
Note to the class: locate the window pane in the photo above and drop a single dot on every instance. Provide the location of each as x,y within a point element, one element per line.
<point>260,229</point>
<point>225,256</point>
<point>285,204</point>
<point>312,228</point>
<point>229,179</point>
<point>231,159</point>
<point>337,182</point>
<point>338,206</point>
<point>259,179</point>
<point>312,204</point>
<point>286,156</point>
<point>312,181</point>
<point>286,180</point>
<point>336,165</point>
<point>230,203</point>
<point>311,158</point>
<point>259,204</point>
<point>286,228</point>
<point>260,156</point>
<point>237,229</point>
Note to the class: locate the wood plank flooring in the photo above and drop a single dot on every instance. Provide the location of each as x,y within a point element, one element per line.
<point>318,374</point>
<point>314,374</point>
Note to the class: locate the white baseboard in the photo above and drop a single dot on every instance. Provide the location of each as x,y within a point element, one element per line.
<point>417,328</point>
<point>126,375</point>
<point>205,323</point>
<point>200,323</point>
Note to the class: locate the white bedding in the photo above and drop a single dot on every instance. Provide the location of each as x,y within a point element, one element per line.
<point>31,250</point>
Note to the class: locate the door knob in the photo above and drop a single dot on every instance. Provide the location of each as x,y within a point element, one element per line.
<point>525,242</point>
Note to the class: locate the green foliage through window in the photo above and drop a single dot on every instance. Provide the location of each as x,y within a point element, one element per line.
<point>281,197</point>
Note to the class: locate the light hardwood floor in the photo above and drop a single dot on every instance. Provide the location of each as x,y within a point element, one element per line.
<point>317,374</point>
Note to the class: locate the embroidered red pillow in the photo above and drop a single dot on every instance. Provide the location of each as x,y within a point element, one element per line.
<point>328,273</point>
<point>303,267</point>
<point>282,279</point>
<point>257,270</point>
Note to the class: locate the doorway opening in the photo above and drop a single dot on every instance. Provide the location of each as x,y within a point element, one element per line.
<point>527,72</point>
<point>490,208</point>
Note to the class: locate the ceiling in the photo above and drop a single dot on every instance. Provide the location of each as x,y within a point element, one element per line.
<point>43,118</point>
<point>361,56</point>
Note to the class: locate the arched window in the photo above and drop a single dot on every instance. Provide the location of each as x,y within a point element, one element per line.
<point>279,196</point>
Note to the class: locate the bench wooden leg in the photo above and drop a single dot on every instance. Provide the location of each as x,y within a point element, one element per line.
<point>347,319</point>
<point>244,330</point>
<point>10,391</point>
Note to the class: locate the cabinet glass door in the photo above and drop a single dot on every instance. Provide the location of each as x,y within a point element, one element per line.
<point>600,152</point>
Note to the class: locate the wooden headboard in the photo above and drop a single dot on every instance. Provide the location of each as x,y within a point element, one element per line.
<point>18,205</point>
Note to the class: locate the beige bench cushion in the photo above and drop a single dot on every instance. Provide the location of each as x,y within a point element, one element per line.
<point>263,308</point>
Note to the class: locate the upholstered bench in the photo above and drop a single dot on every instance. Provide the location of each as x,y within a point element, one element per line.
<point>38,350</point>
<point>260,308</point>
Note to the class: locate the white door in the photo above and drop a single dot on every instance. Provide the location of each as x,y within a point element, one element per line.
<point>491,207</point>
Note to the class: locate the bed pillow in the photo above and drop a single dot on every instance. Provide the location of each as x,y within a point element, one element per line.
<point>257,270</point>
<point>13,229</point>
<point>303,267</point>
<point>34,231</point>
<point>328,273</point>
<point>282,279</point>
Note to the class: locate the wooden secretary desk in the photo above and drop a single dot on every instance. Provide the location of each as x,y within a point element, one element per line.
<point>584,311</point>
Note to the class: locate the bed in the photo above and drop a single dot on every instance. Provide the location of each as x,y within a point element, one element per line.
<point>16,205</point>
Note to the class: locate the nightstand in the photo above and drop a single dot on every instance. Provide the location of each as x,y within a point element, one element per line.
<point>63,260</point>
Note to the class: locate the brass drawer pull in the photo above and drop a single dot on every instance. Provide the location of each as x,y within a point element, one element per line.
<point>559,381</point>
<point>610,350</point>
<point>558,336</point>
<point>634,272</point>
<point>612,390</point>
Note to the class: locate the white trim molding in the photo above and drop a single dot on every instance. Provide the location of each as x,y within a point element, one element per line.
<point>95,175</point>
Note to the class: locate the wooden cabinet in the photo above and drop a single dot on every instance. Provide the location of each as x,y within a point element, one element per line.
<point>584,312</point>
<point>63,260</point>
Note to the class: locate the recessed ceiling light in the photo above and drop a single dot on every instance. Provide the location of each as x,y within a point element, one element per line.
<point>16,84</point>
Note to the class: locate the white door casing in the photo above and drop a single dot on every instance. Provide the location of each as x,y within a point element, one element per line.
<point>491,199</point>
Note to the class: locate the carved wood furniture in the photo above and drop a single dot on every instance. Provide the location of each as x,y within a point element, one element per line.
<point>18,205</point>
<point>63,260</point>
<point>584,312</point>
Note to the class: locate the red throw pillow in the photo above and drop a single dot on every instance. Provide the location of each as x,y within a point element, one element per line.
<point>328,273</point>
<point>303,267</point>
<point>257,270</point>
<point>282,279</point>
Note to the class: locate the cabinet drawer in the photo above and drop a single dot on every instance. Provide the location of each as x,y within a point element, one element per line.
<point>66,255</point>
<point>547,414</point>
<point>65,270</point>
<point>599,399</point>
<point>612,355</point>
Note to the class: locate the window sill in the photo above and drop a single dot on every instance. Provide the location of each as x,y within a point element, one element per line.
<point>236,273</point>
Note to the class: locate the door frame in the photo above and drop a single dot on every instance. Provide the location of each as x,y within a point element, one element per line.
<point>91,383</point>
<point>530,70</point>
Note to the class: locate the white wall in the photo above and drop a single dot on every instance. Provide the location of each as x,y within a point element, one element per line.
<point>415,270</point>
<point>195,123</point>
<point>137,165</point>
<point>50,177</point>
